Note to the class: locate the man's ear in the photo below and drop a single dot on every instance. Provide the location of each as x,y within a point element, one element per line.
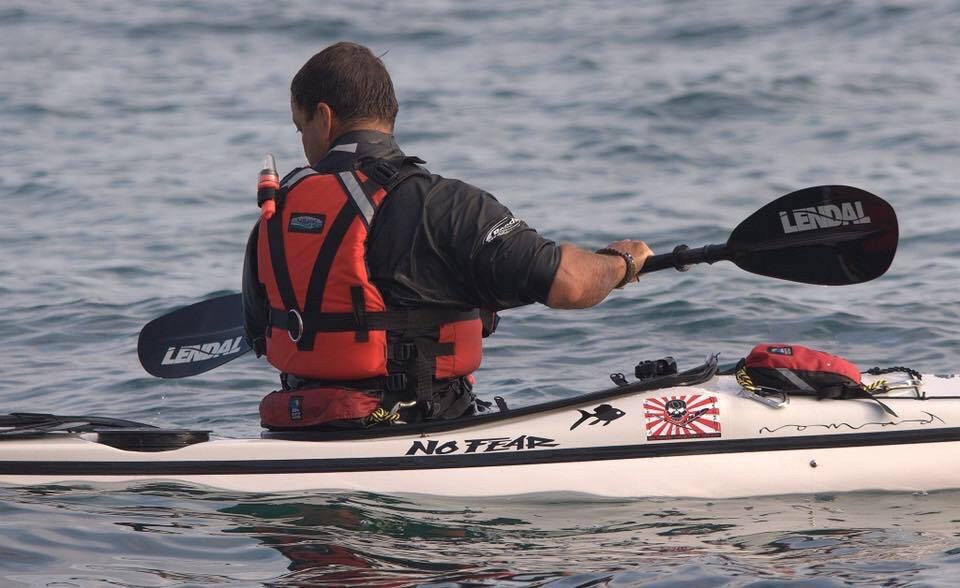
<point>323,110</point>
<point>326,117</point>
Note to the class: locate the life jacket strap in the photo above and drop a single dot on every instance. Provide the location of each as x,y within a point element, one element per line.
<point>406,351</point>
<point>388,320</point>
<point>390,176</point>
<point>359,314</point>
<point>394,383</point>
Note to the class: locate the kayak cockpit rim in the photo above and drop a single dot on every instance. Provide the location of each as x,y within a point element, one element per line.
<point>692,377</point>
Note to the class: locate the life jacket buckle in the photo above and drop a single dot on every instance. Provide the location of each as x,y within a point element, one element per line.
<point>294,325</point>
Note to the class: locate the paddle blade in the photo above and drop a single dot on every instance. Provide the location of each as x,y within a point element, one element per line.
<point>194,339</point>
<point>830,235</point>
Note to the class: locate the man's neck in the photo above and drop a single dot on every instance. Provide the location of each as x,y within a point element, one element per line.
<point>358,143</point>
<point>374,126</point>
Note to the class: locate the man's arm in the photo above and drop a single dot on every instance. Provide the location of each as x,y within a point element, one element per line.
<point>584,279</point>
<point>497,260</point>
<point>508,264</point>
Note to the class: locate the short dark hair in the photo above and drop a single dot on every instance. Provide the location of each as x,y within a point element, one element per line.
<point>351,80</point>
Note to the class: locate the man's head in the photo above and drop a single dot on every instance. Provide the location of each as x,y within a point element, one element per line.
<point>344,87</point>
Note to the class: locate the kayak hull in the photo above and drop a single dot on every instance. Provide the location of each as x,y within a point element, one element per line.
<point>701,439</point>
<point>908,468</point>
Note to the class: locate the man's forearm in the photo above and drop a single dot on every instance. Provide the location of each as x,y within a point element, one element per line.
<point>584,279</point>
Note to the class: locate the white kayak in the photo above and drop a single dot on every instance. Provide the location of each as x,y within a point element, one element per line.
<point>693,434</point>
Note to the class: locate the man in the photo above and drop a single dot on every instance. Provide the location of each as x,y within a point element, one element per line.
<point>370,286</point>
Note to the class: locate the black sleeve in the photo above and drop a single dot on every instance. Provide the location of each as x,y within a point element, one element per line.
<point>254,298</point>
<point>504,262</point>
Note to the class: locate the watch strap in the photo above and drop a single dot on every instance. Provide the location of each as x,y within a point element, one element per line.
<point>631,271</point>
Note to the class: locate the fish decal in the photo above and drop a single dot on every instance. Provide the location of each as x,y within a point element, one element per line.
<point>603,413</point>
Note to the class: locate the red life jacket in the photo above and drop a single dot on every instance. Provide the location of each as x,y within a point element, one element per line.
<point>328,321</point>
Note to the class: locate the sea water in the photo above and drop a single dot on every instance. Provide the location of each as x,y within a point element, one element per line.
<point>131,134</point>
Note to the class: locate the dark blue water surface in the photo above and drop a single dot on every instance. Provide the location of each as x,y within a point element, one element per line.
<point>132,133</point>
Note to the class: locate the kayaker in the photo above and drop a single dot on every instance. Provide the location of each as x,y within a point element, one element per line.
<point>371,284</point>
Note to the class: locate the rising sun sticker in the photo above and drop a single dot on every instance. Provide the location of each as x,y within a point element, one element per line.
<point>682,417</point>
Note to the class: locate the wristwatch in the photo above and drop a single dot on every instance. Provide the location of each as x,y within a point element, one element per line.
<point>631,264</point>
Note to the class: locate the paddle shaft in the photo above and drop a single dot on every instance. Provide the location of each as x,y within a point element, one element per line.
<point>682,257</point>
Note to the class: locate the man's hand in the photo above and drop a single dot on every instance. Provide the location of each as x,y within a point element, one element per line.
<point>639,251</point>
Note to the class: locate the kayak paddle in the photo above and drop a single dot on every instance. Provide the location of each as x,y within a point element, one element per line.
<point>829,235</point>
<point>193,339</point>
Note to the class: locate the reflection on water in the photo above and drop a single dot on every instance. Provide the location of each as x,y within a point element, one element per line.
<point>182,534</point>
<point>569,540</point>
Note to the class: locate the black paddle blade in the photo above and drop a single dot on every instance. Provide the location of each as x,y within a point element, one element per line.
<point>194,339</point>
<point>829,235</point>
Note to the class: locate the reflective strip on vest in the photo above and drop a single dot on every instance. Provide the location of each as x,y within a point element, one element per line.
<point>348,148</point>
<point>304,173</point>
<point>359,198</point>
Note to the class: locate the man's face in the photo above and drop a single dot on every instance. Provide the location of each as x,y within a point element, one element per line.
<point>314,131</point>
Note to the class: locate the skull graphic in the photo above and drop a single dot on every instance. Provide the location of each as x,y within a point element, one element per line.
<point>676,409</point>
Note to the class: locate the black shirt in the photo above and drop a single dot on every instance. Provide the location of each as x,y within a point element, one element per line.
<point>433,242</point>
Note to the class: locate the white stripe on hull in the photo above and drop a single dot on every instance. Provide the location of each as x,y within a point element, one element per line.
<point>916,467</point>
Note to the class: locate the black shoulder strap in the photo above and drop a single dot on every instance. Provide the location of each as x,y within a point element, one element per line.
<point>278,259</point>
<point>390,176</point>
